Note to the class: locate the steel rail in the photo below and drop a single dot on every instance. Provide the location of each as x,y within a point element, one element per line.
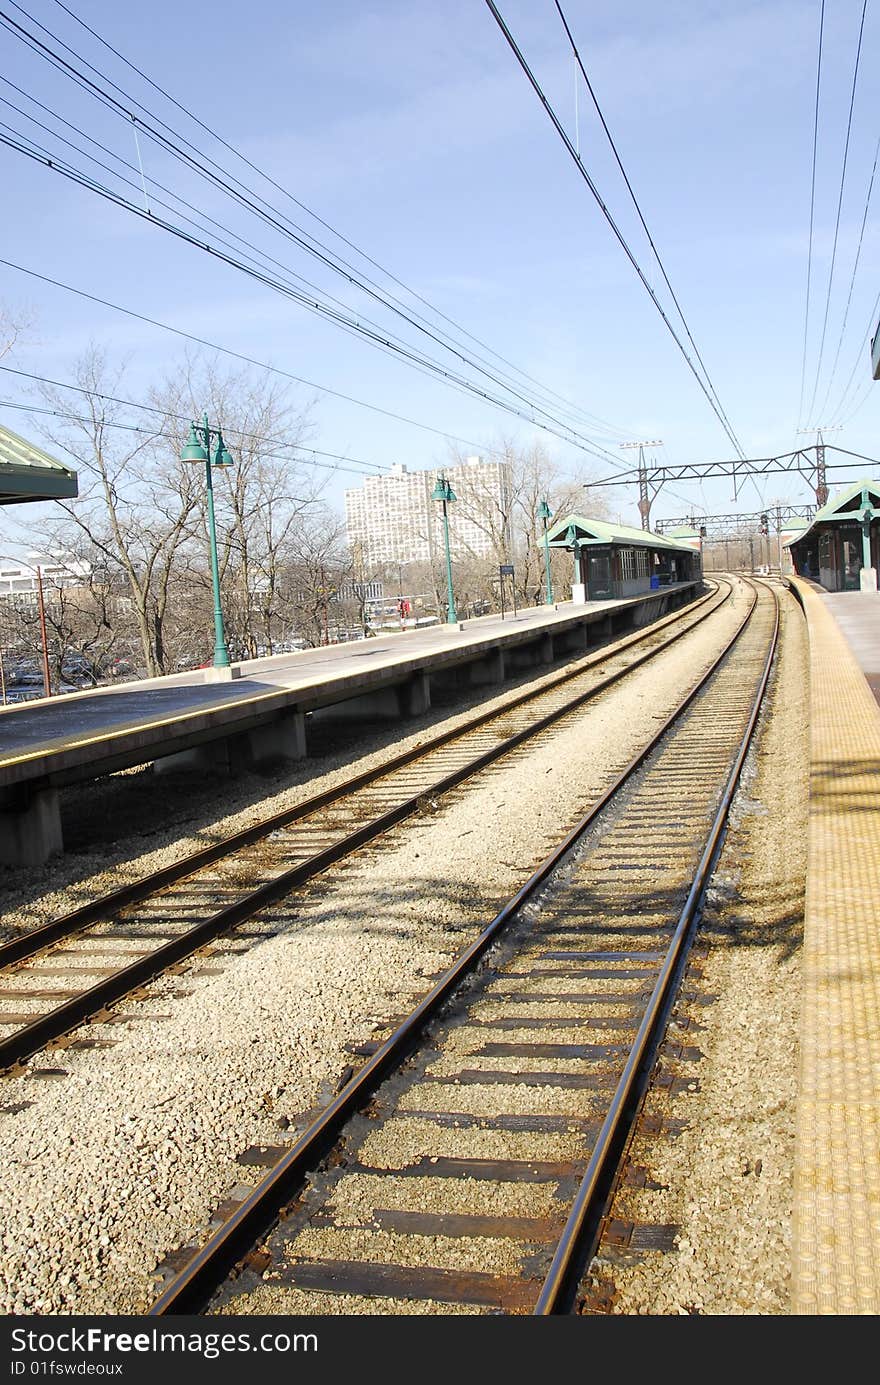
<point>193,1285</point>
<point>28,1039</point>
<point>18,949</point>
<point>558,1284</point>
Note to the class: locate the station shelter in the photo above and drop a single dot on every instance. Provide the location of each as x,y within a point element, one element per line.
<point>840,547</point>
<point>612,561</point>
<point>27,473</point>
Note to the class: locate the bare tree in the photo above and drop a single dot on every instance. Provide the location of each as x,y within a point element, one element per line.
<point>261,501</point>
<point>13,325</point>
<point>319,569</point>
<point>507,517</point>
<point>133,509</point>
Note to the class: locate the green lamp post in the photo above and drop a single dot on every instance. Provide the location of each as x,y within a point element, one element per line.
<point>444,492</point>
<point>867,514</point>
<point>573,542</point>
<point>545,514</point>
<point>198,449</point>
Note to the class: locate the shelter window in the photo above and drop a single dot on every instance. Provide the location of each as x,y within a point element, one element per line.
<point>852,558</point>
<point>641,562</point>
<point>627,564</point>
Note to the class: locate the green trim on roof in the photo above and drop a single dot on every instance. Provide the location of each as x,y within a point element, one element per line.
<point>597,531</point>
<point>28,473</point>
<point>835,502</point>
<point>833,510</point>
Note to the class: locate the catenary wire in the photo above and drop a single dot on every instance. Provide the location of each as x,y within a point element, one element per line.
<point>635,203</point>
<point>262,257</point>
<point>153,433</point>
<point>296,202</point>
<point>242,356</point>
<point>864,340</point>
<point>839,205</point>
<point>609,218</point>
<point>187,418</point>
<point>812,212</point>
<point>245,200</point>
<point>413,358</point>
<point>852,280</point>
<point>246,359</point>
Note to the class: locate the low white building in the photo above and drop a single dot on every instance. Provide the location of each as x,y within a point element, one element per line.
<point>21,577</point>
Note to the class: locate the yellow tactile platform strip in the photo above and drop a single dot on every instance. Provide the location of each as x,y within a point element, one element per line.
<point>836,1230</point>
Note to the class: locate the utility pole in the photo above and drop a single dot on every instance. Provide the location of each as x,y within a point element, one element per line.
<point>47,680</point>
<point>644,494</point>
<point>324,605</point>
<point>779,537</point>
<point>820,485</point>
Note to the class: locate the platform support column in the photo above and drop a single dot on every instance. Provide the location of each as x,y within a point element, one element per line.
<point>415,695</point>
<point>211,756</point>
<point>490,669</point>
<point>284,739</point>
<point>30,829</point>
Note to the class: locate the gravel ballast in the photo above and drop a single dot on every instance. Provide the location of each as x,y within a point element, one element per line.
<point>125,1158</point>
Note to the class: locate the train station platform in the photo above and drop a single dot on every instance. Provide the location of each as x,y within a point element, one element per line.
<point>229,719</point>
<point>836,1230</point>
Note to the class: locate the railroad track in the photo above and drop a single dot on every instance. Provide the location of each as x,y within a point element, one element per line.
<point>125,939</point>
<point>467,1166</point>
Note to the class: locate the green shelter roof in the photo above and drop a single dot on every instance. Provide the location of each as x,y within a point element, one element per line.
<point>844,504</point>
<point>599,531</point>
<point>28,473</point>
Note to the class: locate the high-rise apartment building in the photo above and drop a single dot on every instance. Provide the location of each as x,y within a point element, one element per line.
<point>392,519</point>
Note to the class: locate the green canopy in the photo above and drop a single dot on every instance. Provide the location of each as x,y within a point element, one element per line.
<point>598,531</point>
<point>29,473</point>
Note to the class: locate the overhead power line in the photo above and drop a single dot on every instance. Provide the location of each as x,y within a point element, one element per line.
<point>411,356</point>
<point>610,219</point>
<point>285,192</point>
<point>812,210</point>
<point>852,99</point>
<point>864,342</point>
<point>151,433</point>
<point>242,356</point>
<point>260,438</point>
<point>199,164</point>
<point>635,203</point>
<point>852,281</point>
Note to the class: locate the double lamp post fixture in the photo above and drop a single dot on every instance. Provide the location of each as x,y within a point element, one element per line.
<point>444,492</point>
<point>198,449</point>
<point>545,514</point>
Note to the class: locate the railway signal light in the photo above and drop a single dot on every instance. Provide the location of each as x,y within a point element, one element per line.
<point>765,525</point>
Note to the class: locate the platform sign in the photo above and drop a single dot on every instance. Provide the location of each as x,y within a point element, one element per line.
<point>506,570</point>
<point>875,353</point>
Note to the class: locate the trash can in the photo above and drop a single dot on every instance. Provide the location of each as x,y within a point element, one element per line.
<point>655,582</point>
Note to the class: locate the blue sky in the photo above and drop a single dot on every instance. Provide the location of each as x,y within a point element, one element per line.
<point>413,133</point>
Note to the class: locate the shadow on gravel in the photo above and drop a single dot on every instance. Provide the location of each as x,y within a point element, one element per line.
<point>774,918</point>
